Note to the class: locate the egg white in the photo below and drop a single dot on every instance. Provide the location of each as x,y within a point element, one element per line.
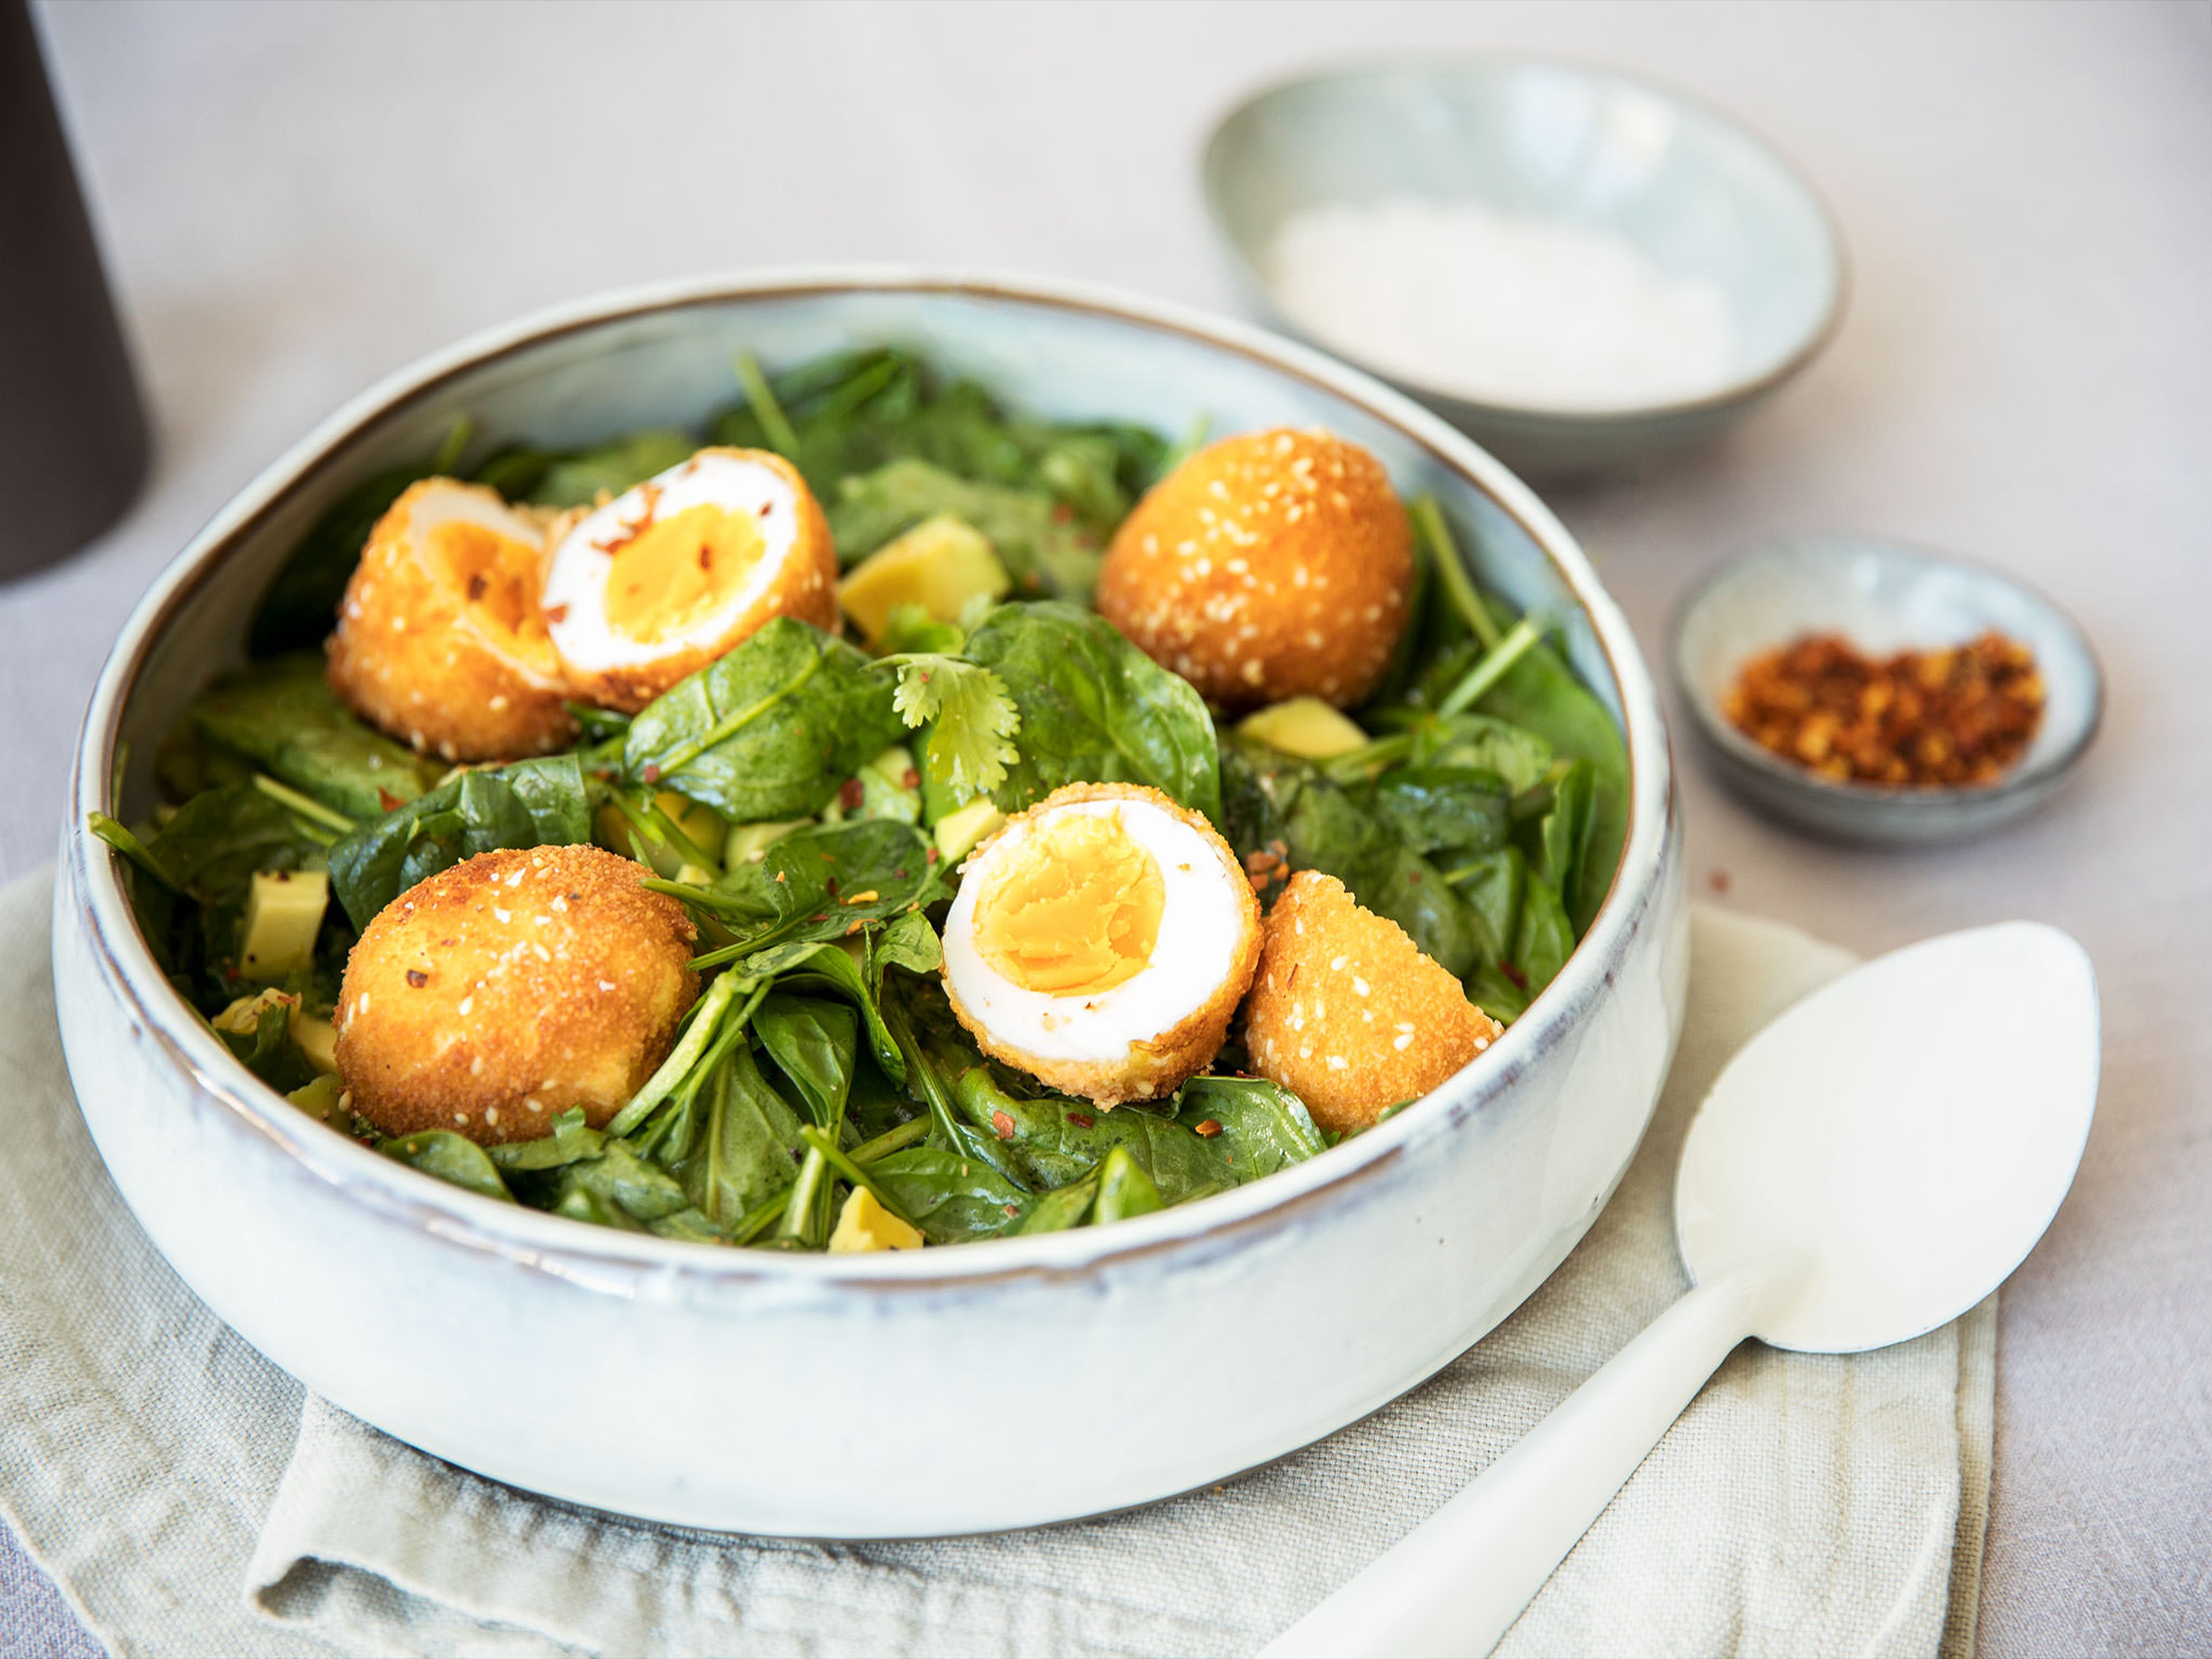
<point>577,572</point>
<point>1202,920</point>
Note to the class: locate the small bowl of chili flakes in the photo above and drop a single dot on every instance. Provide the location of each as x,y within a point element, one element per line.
<point>1869,691</point>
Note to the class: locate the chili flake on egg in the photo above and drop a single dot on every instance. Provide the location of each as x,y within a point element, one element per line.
<point>1946,719</point>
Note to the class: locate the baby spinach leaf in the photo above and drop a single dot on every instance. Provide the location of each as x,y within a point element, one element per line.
<point>576,480</point>
<point>216,841</point>
<point>908,942</point>
<point>1448,809</point>
<point>825,882</point>
<point>451,1158</point>
<point>813,1042</point>
<point>770,730</point>
<point>617,1188</point>
<point>268,1050</point>
<point>1482,743</point>
<point>1094,709</point>
<point>533,803</point>
<point>749,1147</point>
<point>1058,1211</point>
<point>1266,1127</point>
<point>571,1142</point>
<point>950,1198</point>
<point>1545,938</point>
<point>283,715</point>
<point>1559,839</point>
<point>1053,1140</point>
<point>1124,1189</point>
<point>1490,886</point>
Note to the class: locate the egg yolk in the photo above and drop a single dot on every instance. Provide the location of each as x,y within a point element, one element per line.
<point>497,577</point>
<point>676,573</point>
<point>1073,909</point>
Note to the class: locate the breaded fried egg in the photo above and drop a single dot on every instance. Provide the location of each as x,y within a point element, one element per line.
<point>1101,942</point>
<point>439,640</point>
<point>661,580</point>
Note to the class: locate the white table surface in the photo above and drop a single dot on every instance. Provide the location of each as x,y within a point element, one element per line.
<point>297,200</point>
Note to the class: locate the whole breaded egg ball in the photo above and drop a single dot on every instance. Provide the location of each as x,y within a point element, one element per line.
<point>1347,1014</point>
<point>683,568</point>
<point>440,640</point>
<point>1268,565</point>
<point>495,995</point>
<point>1101,941</point>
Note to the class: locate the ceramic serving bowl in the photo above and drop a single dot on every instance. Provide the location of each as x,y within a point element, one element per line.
<point>1884,597</point>
<point>1535,138</point>
<point>843,1395</point>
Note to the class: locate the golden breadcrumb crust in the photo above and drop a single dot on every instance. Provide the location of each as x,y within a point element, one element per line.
<point>805,586</point>
<point>1157,1065</point>
<point>497,995</point>
<point>413,657</point>
<point>1267,566</point>
<point>1347,1014</point>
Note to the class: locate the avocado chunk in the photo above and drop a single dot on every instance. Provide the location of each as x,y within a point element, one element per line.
<point>284,914</point>
<point>1304,726</point>
<point>943,565</point>
<point>958,832</point>
<point>865,1224</point>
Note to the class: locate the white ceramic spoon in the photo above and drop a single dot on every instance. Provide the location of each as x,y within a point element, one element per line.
<point>1867,1169</point>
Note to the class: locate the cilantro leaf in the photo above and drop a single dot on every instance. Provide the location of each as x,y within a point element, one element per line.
<point>973,719</point>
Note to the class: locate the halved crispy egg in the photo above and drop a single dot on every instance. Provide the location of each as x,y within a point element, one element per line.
<point>1101,942</point>
<point>661,580</point>
<point>439,640</point>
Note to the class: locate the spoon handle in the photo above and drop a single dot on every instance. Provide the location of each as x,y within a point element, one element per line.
<point>1455,1583</point>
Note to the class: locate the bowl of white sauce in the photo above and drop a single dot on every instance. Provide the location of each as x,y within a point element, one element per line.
<point>1579,269</point>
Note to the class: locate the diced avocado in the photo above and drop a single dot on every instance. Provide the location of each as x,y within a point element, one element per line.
<point>890,787</point>
<point>243,1017</point>
<point>943,565</point>
<point>1305,726</point>
<point>706,828</point>
<point>958,832</point>
<point>748,843</point>
<point>865,1224</point>
<point>284,914</point>
<point>325,1099</point>
<point>318,1039</point>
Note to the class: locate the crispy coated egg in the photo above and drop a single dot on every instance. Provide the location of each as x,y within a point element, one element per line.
<point>439,639</point>
<point>666,577</point>
<point>1101,942</point>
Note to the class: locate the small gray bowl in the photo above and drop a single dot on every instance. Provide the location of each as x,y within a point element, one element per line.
<point>1535,138</point>
<point>1883,597</point>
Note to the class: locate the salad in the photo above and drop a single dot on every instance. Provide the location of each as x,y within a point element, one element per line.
<point>882,819</point>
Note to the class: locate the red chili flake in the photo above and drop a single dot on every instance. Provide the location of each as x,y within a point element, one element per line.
<point>1719,881</point>
<point>1061,512</point>
<point>388,801</point>
<point>929,855</point>
<point>1206,1130</point>
<point>851,795</point>
<point>910,778</point>
<point>652,773</point>
<point>1004,1125</point>
<point>824,916</point>
<point>557,614</point>
<point>1520,979</point>
<point>766,507</point>
<point>706,557</point>
<point>898,875</point>
<point>478,587</point>
<point>1081,1120</point>
<point>830,885</point>
<point>417,978</point>
<point>1012,1209</point>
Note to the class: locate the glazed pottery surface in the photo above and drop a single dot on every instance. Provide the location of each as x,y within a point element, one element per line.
<point>1558,142</point>
<point>847,1396</point>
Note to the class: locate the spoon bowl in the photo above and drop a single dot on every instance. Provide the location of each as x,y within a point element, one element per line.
<point>1869,1166</point>
<point>1906,1134</point>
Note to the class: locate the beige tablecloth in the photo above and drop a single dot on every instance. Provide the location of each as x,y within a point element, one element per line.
<point>188,1498</point>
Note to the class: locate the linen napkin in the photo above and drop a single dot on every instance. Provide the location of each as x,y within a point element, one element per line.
<point>187,1498</point>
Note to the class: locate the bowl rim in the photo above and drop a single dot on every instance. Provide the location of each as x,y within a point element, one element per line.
<point>1368,66</point>
<point>1893,801</point>
<point>639,1264</point>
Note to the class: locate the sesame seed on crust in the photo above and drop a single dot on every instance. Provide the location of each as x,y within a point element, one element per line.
<point>1347,1014</point>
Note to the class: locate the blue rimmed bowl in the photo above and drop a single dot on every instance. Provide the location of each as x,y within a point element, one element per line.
<point>1884,597</point>
<point>1536,138</point>
<point>842,1391</point>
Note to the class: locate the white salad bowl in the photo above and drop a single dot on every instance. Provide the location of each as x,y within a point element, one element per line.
<point>839,1396</point>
